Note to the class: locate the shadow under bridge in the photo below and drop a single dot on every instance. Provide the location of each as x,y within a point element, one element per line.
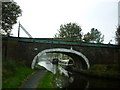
<point>80,60</point>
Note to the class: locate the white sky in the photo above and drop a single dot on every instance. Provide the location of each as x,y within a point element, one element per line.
<point>42,18</point>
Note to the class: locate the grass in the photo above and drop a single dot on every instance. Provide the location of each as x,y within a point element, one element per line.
<point>48,81</point>
<point>14,74</point>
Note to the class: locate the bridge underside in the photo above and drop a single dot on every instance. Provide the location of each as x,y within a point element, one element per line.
<point>80,61</point>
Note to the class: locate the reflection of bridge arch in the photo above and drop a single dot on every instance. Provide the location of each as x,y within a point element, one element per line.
<point>69,52</point>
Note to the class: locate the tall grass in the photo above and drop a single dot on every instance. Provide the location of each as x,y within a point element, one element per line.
<point>48,81</point>
<point>14,73</point>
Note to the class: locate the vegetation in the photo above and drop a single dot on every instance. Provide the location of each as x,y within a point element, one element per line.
<point>70,31</point>
<point>102,70</point>
<point>14,74</point>
<point>10,12</point>
<point>48,81</point>
<point>51,80</point>
<point>118,35</point>
<point>117,38</point>
<point>94,36</point>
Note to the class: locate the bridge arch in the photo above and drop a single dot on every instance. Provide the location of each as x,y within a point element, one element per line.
<point>69,52</point>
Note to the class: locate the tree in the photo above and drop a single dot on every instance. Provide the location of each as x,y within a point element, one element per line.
<point>117,38</point>
<point>10,12</point>
<point>118,35</point>
<point>70,31</point>
<point>94,36</point>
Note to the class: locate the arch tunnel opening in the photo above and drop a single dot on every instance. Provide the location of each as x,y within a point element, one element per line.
<point>80,60</point>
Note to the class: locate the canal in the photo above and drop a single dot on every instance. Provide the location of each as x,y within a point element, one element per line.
<point>68,79</point>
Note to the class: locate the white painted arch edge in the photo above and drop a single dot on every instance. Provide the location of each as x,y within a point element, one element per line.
<point>60,50</point>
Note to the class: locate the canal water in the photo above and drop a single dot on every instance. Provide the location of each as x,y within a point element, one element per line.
<point>67,79</point>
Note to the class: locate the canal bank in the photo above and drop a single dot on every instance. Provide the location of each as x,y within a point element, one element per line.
<point>76,80</point>
<point>62,78</point>
<point>48,81</point>
<point>103,71</point>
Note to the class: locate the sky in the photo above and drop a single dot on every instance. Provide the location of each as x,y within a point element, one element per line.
<point>42,18</point>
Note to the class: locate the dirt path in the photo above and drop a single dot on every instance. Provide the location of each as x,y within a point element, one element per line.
<point>33,81</point>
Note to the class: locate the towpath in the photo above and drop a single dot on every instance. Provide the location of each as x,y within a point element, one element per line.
<point>33,81</point>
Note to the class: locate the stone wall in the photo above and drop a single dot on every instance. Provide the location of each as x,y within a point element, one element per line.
<point>26,51</point>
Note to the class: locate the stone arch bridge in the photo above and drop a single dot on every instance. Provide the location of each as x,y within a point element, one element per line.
<point>26,49</point>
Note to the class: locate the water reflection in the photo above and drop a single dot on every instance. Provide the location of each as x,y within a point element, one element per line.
<point>48,65</point>
<point>62,76</point>
<point>67,79</point>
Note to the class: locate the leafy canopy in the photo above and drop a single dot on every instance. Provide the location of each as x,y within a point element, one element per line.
<point>10,12</point>
<point>118,35</point>
<point>94,36</point>
<point>70,31</point>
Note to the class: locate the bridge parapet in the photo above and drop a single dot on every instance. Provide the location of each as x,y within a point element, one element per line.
<point>60,41</point>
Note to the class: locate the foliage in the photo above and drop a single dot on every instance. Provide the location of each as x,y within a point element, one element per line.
<point>118,35</point>
<point>70,31</point>
<point>118,40</point>
<point>94,36</point>
<point>10,12</point>
<point>14,74</point>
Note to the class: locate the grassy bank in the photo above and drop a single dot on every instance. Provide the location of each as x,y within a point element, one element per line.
<point>14,74</point>
<point>48,81</point>
<point>101,70</point>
